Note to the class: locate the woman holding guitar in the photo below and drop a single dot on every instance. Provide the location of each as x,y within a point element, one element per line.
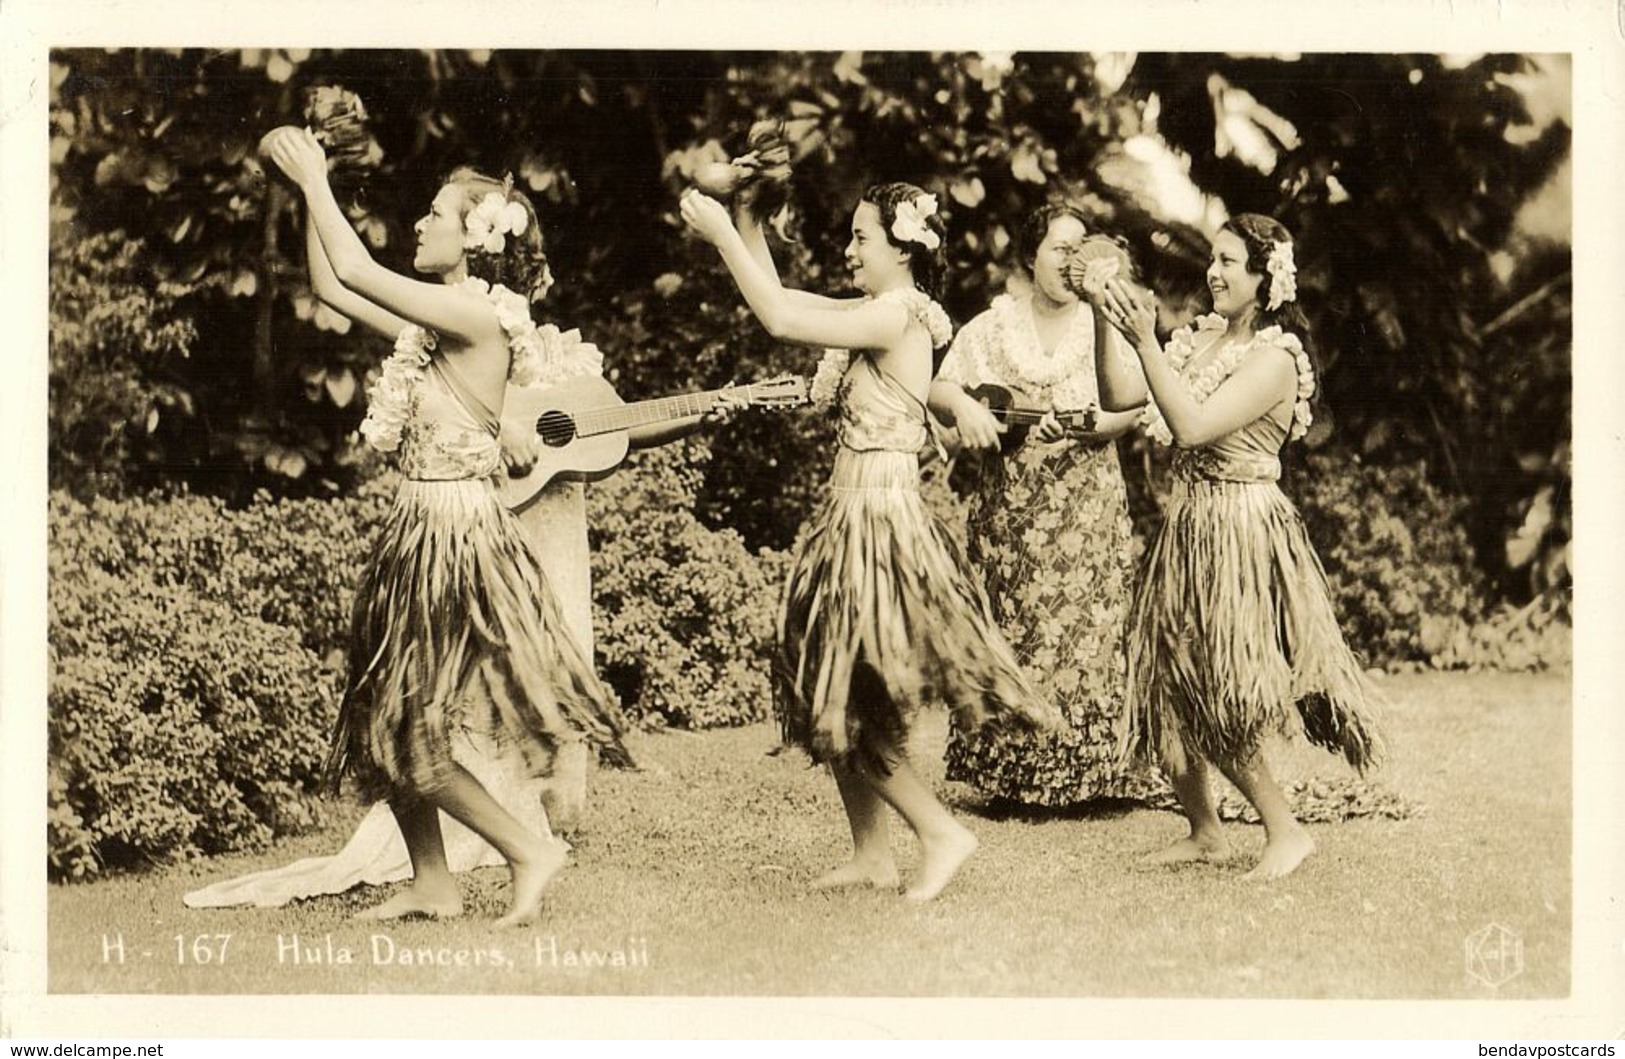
<point>1048,525</point>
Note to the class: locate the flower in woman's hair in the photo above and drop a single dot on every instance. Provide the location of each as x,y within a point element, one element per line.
<point>491,221</point>
<point>909,226</point>
<point>1283,276</point>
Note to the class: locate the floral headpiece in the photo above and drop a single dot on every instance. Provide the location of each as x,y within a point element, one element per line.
<point>491,221</point>
<point>908,223</point>
<point>1283,276</point>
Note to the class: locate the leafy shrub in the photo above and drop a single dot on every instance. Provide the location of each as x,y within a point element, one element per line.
<point>685,614</point>
<point>190,702</point>
<point>291,563</point>
<point>177,724</point>
<point>1536,636</point>
<point>1402,571</point>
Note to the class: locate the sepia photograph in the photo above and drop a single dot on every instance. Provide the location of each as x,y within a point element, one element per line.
<point>906,513</point>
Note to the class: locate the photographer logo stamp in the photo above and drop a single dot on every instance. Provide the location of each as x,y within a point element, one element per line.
<point>1494,954</point>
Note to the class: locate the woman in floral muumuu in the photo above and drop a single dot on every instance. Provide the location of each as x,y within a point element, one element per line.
<point>456,633</point>
<point>1048,527</point>
<point>880,611</point>
<point>1232,636</point>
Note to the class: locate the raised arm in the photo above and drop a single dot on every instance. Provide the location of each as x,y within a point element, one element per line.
<point>447,310</point>
<point>341,299</point>
<point>755,240</point>
<point>1266,378</point>
<point>1117,371</point>
<point>809,320</point>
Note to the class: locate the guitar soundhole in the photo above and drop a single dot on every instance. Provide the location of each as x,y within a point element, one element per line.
<point>556,429</point>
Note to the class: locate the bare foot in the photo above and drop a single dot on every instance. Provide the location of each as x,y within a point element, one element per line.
<point>530,878</point>
<point>1282,854</point>
<point>1191,848</point>
<point>880,874</point>
<point>437,902</point>
<point>941,861</point>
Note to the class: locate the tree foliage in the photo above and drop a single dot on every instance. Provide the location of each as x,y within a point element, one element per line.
<point>1402,177</point>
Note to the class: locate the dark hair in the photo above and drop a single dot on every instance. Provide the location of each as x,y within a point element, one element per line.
<point>522,264</point>
<point>1036,226</point>
<point>927,266</point>
<point>1260,234</point>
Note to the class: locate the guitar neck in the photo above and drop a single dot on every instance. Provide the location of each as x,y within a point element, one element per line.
<point>648,413</point>
<point>1018,417</point>
<point>1023,417</point>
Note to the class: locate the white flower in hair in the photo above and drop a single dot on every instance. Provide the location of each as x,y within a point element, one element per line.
<point>491,221</point>
<point>1283,276</point>
<point>909,226</point>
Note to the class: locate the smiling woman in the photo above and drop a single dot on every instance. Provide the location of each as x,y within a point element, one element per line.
<point>1232,637</point>
<point>458,643</point>
<point>880,613</point>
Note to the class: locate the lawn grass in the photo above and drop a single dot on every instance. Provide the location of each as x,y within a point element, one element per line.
<point>696,868</point>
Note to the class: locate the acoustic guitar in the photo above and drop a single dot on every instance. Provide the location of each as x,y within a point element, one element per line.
<point>582,425</point>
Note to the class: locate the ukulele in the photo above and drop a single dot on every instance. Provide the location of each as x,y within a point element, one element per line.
<point>582,425</point>
<point>1019,413</point>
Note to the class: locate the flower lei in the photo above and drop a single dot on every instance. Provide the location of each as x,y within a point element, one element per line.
<point>389,400</point>
<point>539,356</point>
<point>1182,346</point>
<point>908,221</point>
<point>922,307</point>
<point>1013,347</point>
<point>826,383</point>
<point>1283,276</point>
<point>491,220</point>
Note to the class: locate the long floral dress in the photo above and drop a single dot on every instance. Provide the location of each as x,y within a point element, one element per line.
<point>1049,529</point>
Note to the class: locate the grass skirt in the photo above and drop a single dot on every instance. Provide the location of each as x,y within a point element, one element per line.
<point>1232,636</point>
<point>455,627</point>
<point>880,614</point>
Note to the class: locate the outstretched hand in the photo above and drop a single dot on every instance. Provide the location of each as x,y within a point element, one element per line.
<point>705,216</point>
<point>296,152</point>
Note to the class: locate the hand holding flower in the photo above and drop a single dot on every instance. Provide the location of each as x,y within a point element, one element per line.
<point>296,152</point>
<point>705,216</point>
<point>1094,276</point>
